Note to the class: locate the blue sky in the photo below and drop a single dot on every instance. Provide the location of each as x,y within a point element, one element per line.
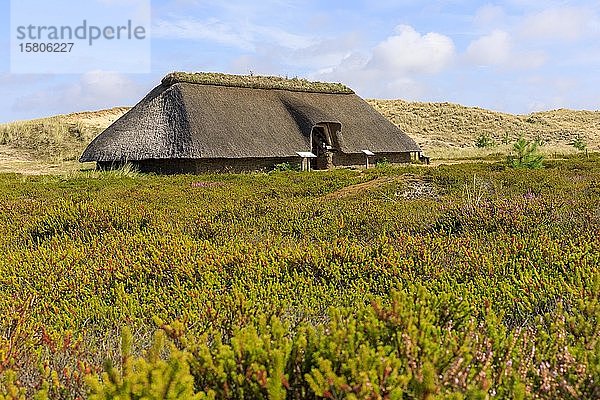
<point>513,55</point>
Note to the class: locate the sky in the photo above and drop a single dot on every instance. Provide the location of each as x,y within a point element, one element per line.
<point>515,56</point>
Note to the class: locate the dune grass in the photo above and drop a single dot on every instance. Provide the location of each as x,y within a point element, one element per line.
<point>447,130</point>
<point>52,144</point>
<point>48,139</point>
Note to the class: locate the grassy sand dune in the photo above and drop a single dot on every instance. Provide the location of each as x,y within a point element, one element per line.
<point>447,130</point>
<point>51,144</point>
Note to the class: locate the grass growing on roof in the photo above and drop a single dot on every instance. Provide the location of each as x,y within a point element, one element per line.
<point>256,82</point>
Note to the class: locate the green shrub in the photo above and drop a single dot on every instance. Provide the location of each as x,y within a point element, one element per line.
<point>525,155</point>
<point>484,141</point>
<point>150,377</point>
<point>417,344</point>
<point>283,167</point>
<point>303,285</point>
<point>579,143</point>
<point>382,163</point>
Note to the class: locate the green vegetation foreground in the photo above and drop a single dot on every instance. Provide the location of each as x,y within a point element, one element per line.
<point>470,281</point>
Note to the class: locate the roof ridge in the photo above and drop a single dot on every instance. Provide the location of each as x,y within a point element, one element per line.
<point>255,82</point>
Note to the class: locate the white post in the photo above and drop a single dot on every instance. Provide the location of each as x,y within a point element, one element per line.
<point>368,153</point>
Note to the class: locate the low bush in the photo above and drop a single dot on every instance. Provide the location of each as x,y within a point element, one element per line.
<point>296,286</point>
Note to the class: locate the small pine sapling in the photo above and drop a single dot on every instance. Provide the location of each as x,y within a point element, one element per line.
<point>525,155</point>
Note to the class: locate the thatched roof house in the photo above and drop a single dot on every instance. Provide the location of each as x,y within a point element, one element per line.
<point>201,122</point>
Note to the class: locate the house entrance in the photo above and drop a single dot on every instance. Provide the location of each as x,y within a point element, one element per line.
<point>324,144</point>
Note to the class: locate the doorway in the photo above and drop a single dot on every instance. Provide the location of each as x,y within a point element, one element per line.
<point>324,144</point>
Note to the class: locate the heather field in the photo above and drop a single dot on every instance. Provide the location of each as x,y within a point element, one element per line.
<point>473,281</point>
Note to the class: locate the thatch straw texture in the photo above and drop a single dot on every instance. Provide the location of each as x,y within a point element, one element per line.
<point>255,82</point>
<point>197,121</point>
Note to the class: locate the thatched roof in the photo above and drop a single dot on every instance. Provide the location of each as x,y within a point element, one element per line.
<point>186,120</point>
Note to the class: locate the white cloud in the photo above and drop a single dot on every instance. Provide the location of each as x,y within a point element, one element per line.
<point>563,23</point>
<point>242,34</point>
<point>279,36</point>
<point>489,15</point>
<point>99,88</point>
<point>211,29</point>
<point>406,88</point>
<point>326,53</point>
<point>492,49</point>
<point>410,52</point>
<point>94,90</point>
<point>347,66</point>
<point>392,67</point>
<point>497,49</point>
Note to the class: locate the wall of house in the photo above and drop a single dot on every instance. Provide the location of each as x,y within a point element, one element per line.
<point>359,160</point>
<point>187,166</point>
